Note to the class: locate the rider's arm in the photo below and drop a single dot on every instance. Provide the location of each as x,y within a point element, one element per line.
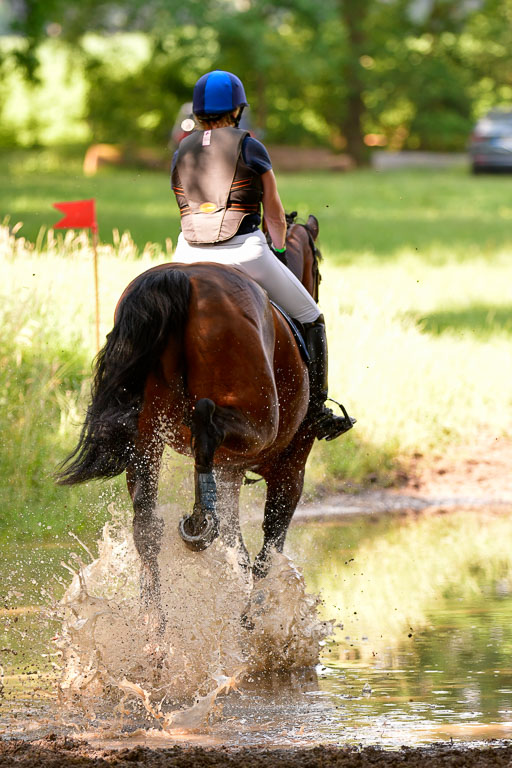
<point>273,210</point>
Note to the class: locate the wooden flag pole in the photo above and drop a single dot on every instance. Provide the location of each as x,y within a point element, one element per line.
<point>96,285</point>
<point>81,214</point>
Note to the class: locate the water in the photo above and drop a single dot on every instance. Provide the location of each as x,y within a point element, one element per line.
<point>421,651</point>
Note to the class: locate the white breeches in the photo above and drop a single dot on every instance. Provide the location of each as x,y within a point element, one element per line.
<point>251,254</point>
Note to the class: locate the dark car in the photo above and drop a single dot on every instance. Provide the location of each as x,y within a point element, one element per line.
<point>490,146</point>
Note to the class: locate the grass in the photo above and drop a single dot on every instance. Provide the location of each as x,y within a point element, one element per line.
<point>415,291</point>
<point>439,216</point>
<point>127,199</point>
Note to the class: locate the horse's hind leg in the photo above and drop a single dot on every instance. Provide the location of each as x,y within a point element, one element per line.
<point>142,479</point>
<point>285,482</point>
<point>199,529</point>
<point>283,495</point>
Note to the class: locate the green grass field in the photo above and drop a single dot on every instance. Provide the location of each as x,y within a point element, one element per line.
<point>438,216</point>
<point>416,292</point>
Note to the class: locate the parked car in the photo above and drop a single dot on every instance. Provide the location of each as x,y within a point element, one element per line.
<point>490,145</point>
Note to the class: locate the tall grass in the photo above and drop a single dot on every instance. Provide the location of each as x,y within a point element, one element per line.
<point>41,380</point>
<point>412,389</point>
<point>46,351</point>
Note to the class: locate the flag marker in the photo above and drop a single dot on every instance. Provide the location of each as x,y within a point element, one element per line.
<point>81,214</point>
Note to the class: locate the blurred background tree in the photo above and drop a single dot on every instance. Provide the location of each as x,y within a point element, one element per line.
<point>349,74</point>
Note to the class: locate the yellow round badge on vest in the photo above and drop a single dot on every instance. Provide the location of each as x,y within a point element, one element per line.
<point>207,207</point>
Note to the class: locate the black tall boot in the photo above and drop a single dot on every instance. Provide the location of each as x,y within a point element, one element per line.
<point>323,421</point>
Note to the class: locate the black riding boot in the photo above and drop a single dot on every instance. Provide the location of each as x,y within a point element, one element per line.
<point>324,422</point>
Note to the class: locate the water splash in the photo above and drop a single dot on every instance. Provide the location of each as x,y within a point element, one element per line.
<point>111,649</point>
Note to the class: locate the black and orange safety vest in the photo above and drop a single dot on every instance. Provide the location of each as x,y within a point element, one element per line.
<point>214,187</point>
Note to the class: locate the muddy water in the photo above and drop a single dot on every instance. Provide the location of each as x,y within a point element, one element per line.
<point>421,650</point>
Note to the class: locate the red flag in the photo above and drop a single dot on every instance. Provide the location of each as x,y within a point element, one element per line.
<point>79,215</point>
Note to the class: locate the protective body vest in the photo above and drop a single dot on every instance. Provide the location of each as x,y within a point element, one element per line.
<point>215,189</point>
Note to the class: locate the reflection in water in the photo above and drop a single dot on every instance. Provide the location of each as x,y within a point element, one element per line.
<point>426,611</point>
<point>385,578</point>
<point>422,650</point>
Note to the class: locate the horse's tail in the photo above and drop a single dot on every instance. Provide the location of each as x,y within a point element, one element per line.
<point>155,306</point>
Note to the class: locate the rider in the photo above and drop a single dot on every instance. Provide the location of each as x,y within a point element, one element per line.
<point>220,176</point>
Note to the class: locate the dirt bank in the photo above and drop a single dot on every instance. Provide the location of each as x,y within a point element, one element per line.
<point>473,475</point>
<point>53,752</point>
<point>478,470</point>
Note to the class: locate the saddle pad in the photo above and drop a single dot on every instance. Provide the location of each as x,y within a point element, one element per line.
<point>297,335</point>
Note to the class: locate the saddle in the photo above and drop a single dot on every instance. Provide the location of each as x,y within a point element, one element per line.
<point>297,332</point>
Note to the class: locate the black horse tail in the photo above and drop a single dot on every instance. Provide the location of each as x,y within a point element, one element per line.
<point>155,306</point>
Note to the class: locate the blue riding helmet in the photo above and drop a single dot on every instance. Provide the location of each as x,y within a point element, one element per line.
<point>218,92</point>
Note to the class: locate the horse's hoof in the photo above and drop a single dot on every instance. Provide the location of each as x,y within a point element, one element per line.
<point>197,542</point>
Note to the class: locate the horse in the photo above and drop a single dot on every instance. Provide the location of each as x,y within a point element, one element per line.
<point>200,360</point>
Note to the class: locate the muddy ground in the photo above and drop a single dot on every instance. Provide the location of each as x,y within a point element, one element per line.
<point>479,470</point>
<point>471,475</point>
<point>53,752</point>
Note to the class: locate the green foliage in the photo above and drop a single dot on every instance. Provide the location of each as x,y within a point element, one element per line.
<point>315,72</point>
<point>48,111</point>
<point>139,86</point>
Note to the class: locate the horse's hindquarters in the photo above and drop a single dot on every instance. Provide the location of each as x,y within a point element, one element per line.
<point>230,344</point>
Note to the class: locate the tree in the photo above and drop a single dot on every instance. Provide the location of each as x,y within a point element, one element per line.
<point>412,73</point>
<point>354,15</point>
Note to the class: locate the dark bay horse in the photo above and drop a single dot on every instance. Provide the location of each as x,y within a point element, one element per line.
<point>200,360</point>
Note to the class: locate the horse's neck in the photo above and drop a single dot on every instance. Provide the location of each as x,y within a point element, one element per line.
<point>299,257</point>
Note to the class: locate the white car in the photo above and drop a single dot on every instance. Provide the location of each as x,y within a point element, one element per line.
<point>490,146</point>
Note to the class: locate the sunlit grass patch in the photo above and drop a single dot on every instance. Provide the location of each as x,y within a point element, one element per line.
<point>411,390</point>
<point>440,216</point>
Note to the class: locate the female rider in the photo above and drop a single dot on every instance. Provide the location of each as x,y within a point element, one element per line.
<point>221,176</point>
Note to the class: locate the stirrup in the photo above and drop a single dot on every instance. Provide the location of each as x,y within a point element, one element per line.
<point>328,426</point>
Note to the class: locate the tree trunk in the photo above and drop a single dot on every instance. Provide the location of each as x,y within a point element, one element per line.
<point>353,15</point>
